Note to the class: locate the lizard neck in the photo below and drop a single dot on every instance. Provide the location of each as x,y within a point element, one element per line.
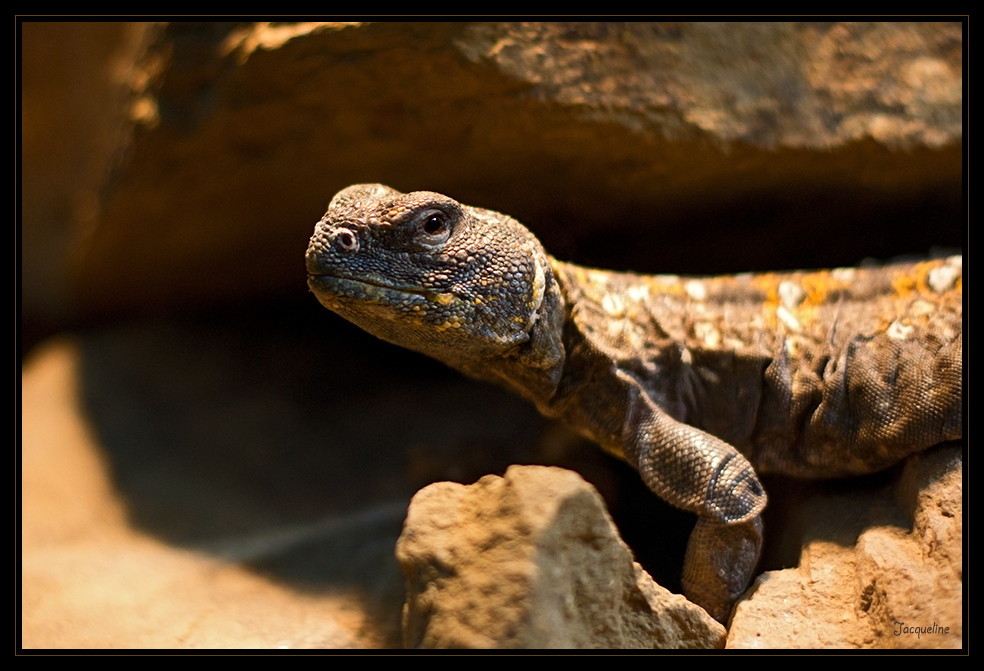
<point>534,368</point>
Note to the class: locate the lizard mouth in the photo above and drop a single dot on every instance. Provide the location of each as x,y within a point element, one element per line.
<point>334,288</point>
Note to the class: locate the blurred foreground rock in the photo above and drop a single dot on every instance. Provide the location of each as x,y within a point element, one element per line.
<point>532,560</point>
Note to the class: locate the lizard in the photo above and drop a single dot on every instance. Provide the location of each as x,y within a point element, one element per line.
<point>700,383</point>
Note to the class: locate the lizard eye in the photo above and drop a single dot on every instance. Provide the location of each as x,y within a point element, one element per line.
<point>433,228</point>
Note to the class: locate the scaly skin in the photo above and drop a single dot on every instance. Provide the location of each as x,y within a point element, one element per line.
<point>691,380</point>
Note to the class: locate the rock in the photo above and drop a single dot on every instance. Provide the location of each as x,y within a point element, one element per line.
<point>864,579</point>
<point>532,560</point>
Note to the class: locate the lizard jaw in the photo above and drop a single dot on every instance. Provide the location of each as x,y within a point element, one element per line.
<point>333,291</point>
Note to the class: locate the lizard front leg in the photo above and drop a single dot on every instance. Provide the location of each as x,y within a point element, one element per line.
<point>697,472</point>
<point>719,563</point>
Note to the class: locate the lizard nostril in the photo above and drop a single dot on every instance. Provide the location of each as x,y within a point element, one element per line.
<point>346,241</point>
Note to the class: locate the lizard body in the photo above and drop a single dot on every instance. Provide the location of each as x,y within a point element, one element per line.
<point>696,382</point>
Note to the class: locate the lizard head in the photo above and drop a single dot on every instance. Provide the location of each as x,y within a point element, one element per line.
<point>425,272</point>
